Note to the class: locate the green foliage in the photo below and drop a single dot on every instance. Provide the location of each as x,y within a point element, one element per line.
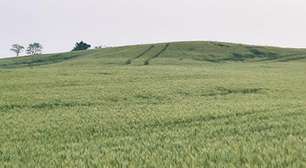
<point>91,109</point>
<point>34,49</point>
<point>81,46</point>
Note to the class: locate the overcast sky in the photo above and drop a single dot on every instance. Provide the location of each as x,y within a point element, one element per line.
<point>58,24</point>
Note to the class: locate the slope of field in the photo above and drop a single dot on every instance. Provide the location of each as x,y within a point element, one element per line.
<point>193,104</point>
<point>169,53</point>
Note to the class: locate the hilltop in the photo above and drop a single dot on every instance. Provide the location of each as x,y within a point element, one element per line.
<point>165,53</point>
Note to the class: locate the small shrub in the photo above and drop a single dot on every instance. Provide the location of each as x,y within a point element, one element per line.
<point>81,46</point>
<point>128,62</point>
<point>147,62</point>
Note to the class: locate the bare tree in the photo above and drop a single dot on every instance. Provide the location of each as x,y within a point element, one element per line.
<point>34,48</point>
<point>16,48</point>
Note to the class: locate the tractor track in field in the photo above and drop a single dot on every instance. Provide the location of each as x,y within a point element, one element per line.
<point>129,61</point>
<point>147,62</point>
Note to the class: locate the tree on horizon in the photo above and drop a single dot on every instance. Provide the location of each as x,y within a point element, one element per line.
<point>16,48</point>
<point>81,46</point>
<point>34,48</point>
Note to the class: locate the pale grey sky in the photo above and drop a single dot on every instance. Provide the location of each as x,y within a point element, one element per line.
<point>58,24</point>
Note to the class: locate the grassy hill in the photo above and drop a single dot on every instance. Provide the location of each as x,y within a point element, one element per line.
<point>186,104</point>
<point>168,53</point>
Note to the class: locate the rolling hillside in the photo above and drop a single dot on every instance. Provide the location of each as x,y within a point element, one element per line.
<point>168,53</point>
<point>185,104</point>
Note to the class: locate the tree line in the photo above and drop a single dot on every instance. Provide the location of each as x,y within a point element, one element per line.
<point>36,48</point>
<point>32,49</point>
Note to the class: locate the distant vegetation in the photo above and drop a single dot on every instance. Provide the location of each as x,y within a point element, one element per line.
<point>168,53</point>
<point>16,48</point>
<point>32,49</point>
<point>36,48</point>
<point>81,46</point>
